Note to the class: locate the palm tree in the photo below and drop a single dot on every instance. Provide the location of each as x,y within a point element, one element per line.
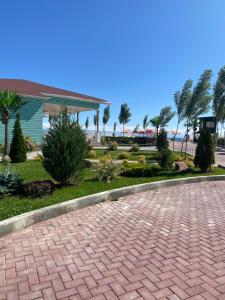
<point>10,102</point>
<point>105,118</point>
<point>180,100</point>
<point>219,98</point>
<point>198,102</point>
<point>155,122</point>
<point>124,116</point>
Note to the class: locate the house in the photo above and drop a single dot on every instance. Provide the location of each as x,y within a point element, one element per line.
<point>42,100</point>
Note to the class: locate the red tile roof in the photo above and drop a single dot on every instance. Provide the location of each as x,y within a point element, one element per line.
<point>26,87</point>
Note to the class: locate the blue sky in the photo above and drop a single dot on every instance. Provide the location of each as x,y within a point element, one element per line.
<point>134,51</point>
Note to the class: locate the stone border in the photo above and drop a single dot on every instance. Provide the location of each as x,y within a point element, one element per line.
<point>27,219</point>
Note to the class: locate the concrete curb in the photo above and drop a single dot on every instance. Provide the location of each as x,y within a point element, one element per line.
<point>27,219</point>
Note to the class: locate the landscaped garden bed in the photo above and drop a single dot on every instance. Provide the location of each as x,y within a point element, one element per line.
<point>33,170</point>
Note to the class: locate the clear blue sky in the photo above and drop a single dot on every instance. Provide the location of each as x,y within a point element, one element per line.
<point>134,51</point>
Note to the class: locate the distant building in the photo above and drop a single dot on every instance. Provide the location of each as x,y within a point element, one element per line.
<point>42,100</point>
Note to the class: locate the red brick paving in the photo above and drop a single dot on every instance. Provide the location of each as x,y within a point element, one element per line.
<point>162,244</point>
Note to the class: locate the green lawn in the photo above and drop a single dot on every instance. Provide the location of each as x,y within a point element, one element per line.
<point>150,156</point>
<point>33,170</point>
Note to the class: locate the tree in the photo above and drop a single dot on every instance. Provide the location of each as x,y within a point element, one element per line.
<point>64,150</point>
<point>18,147</point>
<point>156,123</point>
<point>162,141</point>
<point>180,100</point>
<point>198,102</point>
<point>161,121</point>
<point>204,153</point>
<point>105,118</point>
<point>114,129</point>
<point>219,98</point>
<point>136,128</point>
<point>10,102</point>
<point>95,120</point>
<point>145,122</point>
<point>125,115</point>
<point>87,123</point>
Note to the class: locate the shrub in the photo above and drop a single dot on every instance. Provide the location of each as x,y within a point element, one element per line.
<point>140,170</point>
<point>64,150</point>
<point>176,157</point>
<point>92,154</point>
<point>113,146</point>
<point>204,153</point>
<point>10,182</point>
<point>107,169</point>
<point>142,159</point>
<point>134,148</point>
<point>165,159</point>
<point>18,152</point>
<point>36,189</point>
<point>123,155</point>
<point>30,145</point>
<point>162,141</point>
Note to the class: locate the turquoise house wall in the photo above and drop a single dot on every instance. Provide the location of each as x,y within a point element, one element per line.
<point>31,120</point>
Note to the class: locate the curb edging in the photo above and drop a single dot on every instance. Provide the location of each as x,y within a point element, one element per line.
<point>29,218</point>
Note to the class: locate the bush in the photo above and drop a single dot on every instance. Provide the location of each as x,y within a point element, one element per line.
<point>140,170</point>
<point>64,150</point>
<point>165,159</point>
<point>176,157</point>
<point>30,145</point>
<point>18,152</point>
<point>92,154</point>
<point>134,148</point>
<point>10,182</point>
<point>142,159</point>
<point>35,189</point>
<point>204,153</point>
<point>123,155</point>
<point>162,141</point>
<point>107,169</point>
<point>113,146</point>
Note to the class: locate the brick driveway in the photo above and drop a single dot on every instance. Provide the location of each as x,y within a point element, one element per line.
<point>162,244</point>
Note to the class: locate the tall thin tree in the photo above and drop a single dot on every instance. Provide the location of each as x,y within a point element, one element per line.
<point>105,118</point>
<point>219,98</point>
<point>145,122</point>
<point>125,115</point>
<point>199,101</point>
<point>180,100</point>
<point>87,123</point>
<point>114,129</point>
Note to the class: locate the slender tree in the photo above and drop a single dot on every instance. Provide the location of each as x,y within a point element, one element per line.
<point>114,129</point>
<point>87,123</point>
<point>199,101</point>
<point>219,98</point>
<point>105,118</point>
<point>10,102</point>
<point>125,115</point>
<point>145,122</point>
<point>136,128</point>
<point>180,100</point>
<point>95,121</point>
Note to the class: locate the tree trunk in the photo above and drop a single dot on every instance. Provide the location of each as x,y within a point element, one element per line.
<point>123,129</point>
<point>185,155</point>
<point>175,135</point>
<point>6,146</point>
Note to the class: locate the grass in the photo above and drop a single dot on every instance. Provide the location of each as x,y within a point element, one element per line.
<point>151,156</point>
<point>33,170</point>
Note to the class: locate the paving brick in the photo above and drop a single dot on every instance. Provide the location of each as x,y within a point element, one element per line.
<point>166,244</point>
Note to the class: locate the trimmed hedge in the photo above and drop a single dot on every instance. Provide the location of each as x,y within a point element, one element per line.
<point>125,140</point>
<point>140,170</point>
